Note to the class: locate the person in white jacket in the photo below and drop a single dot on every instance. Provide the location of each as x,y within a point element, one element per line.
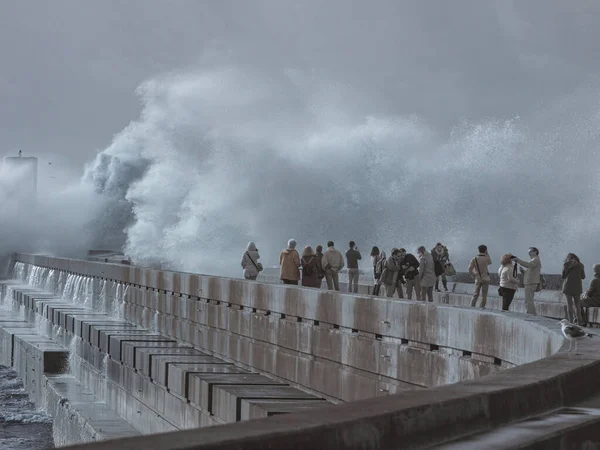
<point>509,283</point>
<point>250,262</point>
<point>333,262</point>
<point>531,271</point>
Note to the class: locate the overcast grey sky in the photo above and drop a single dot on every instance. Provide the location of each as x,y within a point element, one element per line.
<point>69,68</point>
<point>69,72</point>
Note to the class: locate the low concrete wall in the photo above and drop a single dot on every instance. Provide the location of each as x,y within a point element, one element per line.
<point>348,347</point>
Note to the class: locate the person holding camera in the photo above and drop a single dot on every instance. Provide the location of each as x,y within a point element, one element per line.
<point>531,271</point>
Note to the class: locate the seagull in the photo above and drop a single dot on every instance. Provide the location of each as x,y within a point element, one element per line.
<point>573,333</point>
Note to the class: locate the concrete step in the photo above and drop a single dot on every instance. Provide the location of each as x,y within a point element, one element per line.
<point>566,426</point>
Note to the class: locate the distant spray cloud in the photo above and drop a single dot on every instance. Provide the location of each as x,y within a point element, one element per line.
<point>220,157</point>
<point>54,222</point>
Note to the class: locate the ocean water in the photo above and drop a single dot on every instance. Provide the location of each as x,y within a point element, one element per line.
<point>22,426</point>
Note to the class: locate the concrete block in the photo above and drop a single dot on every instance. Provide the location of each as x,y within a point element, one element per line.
<point>144,355</point>
<point>202,385</point>
<point>160,364</point>
<point>258,409</point>
<point>129,350</point>
<point>116,342</point>
<point>179,374</point>
<point>226,399</point>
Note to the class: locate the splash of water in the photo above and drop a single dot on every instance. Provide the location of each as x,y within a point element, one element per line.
<point>225,156</point>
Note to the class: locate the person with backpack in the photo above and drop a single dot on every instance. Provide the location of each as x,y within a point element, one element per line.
<point>333,262</point>
<point>532,279</point>
<point>378,259</point>
<point>478,269</point>
<point>410,269</point>
<point>250,262</point>
<point>310,273</point>
<point>352,257</point>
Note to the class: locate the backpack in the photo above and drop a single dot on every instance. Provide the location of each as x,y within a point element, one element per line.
<point>306,270</point>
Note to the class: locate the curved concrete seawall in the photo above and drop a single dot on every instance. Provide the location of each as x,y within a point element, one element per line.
<point>168,351</point>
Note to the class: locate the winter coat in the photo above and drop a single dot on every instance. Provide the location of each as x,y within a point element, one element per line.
<point>379,263</point>
<point>250,261</point>
<point>389,276</point>
<point>332,260</point>
<point>480,264</point>
<point>507,277</point>
<point>410,261</point>
<point>426,270</point>
<point>532,273</point>
<point>289,259</point>
<point>310,263</point>
<point>320,266</point>
<point>573,275</point>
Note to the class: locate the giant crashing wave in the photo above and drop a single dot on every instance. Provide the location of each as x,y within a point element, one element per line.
<point>220,157</point>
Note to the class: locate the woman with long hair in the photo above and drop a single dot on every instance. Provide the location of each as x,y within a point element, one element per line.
<point>310,269</point>
<point>573,275</point>
<point>509,283</point>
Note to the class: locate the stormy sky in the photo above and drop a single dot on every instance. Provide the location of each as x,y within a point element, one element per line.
<point>387,122</point>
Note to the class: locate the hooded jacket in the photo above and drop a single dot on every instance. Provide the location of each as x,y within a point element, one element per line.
<point>250,261</point>
<point>289,260</point>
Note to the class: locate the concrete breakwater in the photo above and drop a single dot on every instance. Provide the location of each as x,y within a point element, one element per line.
<point>140,351</point>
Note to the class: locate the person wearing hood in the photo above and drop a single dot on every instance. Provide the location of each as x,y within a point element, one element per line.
<point>531,271</point>
<point>310,269</point>
<point>289,260</point>
<point>426,273</point>
<point>333,262</point>
<point>378,259</point>
<point>250,262</point>
<point>592,295</point>
<point>410,269</point>
<point>573,275</point>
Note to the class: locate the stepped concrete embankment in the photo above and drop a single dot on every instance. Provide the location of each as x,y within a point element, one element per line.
<point>163,351</point>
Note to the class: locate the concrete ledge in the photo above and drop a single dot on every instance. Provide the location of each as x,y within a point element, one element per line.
<point>443,413</point>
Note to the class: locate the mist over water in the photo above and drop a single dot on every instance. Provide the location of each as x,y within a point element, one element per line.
<point>226,155</point>
<point>59,222</point>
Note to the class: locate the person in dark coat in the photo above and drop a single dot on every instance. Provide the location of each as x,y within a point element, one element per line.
<point>410,270</point>
<point>320,271</point>
<point>573,275</point>
<point>592,295</point>
<point>310,269</point>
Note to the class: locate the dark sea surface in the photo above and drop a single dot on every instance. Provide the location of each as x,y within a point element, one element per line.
<point>22,426</point>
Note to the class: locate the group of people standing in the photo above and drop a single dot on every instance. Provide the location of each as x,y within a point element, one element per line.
<point>422,273</point>
<point>573,274</point>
